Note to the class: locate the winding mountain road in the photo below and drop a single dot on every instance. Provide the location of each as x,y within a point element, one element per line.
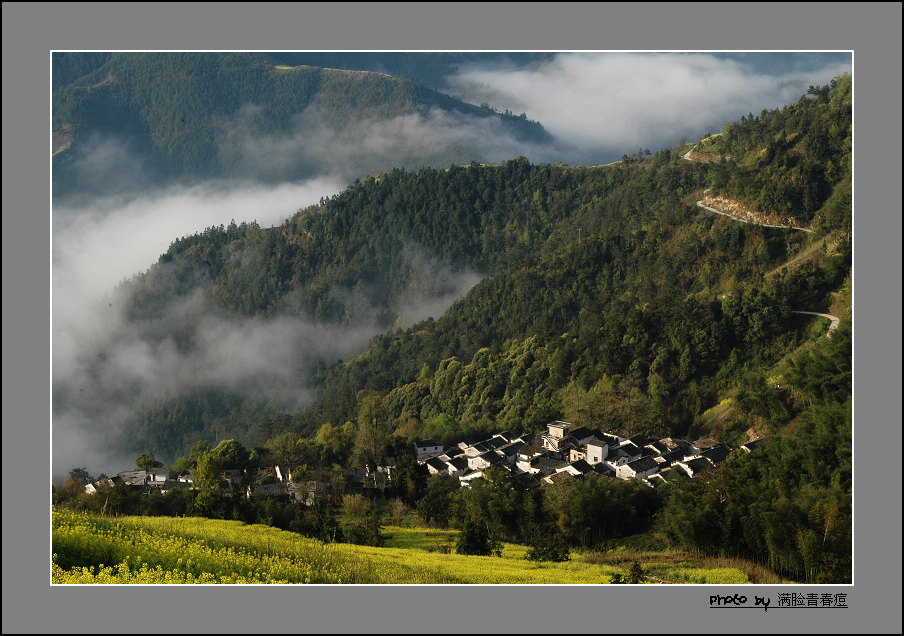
<point>832,327</point>
<point>687,156</point>
<point>834,319</point>
<point>731,216</point>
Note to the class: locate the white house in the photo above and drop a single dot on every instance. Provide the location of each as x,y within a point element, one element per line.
<point>428,448</point>
<point>436,465</point>
<point>596,452</point>
<point>638,469</point>
<point>557,439</point>
<point>694,466</point>
<point>457,466</point>
<point>101,485</point>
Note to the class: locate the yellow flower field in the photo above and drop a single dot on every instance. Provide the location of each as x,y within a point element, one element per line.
<point>88,549</point>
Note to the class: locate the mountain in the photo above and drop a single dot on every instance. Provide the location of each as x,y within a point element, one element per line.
<point>227,115</point>
<point>606,279</point>
<point>432,68</point>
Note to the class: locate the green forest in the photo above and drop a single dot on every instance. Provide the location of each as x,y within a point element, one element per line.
<point>607,299</point>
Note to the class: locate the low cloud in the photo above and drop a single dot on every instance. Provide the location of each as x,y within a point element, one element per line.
<point>605,104</point>
<point>107,369</point>
<point>435,138</point>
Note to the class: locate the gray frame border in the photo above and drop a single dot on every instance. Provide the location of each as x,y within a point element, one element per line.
<point>30,31</point>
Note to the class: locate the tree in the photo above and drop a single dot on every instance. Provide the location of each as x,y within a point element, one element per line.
<point>635,574</point>
<point>475,540</point>
<point>209,501</point>
<point>147,461</point>
<point>231,454</point>
<point>371,430</point>
<point>362,521</point>
<point>436,506</point>
<point>547,543</point>
<point>409,478</point>
<point>80,476</point>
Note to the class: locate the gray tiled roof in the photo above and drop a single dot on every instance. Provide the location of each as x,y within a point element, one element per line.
<point>458,463</point>
<point>642,464</point>
<point>716,454</point>
<point>547,465</point>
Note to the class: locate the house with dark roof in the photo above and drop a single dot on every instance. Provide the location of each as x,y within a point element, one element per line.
<point>716,454</point>
<point>158,476</point>
<point>638,469</point>
<point>579,468</point>
<point>457,465</point>
<point>137,479</point>
<point>509,453</point>
<point>669,458</point>
<point>477,449</point>
<point>482,462</point>
<point>611,439</point>
<point>639,440</point>
<point>451,452</point>
<point>630,450</point>
<point>582,434</point>
<point>428,448</point>
<point>603,470</point>
<point>674,444</point>
<point>694,466</point>
<point>436,465</point>
<point>544,466</point>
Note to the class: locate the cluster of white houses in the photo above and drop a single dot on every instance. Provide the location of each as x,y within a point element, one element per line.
<point>564,452</point>
<point>561,453</point>
<point>270,480</point>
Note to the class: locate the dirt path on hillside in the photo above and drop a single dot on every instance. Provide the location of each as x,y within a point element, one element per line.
<point>737,218</point>
<point>688,157</point>
<point>808,253</point>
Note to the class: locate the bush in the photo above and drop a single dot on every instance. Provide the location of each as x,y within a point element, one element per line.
<point>548,544</point>
<point>475,540</point>
<point>635,574</point>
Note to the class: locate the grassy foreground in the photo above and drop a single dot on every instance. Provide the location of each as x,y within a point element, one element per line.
<point>89,549</point>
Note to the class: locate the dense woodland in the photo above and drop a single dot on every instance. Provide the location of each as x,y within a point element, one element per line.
<point>608,299</point>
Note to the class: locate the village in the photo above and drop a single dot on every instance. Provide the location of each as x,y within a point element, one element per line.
<point>560,453</point>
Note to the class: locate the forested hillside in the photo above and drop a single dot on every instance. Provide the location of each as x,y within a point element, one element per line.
<point>190,114</point>
<point>795,162</point>
<point>606,292</point>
